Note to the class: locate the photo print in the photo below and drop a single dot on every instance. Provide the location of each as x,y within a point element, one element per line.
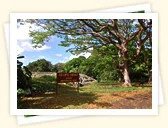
<point>111,55</point>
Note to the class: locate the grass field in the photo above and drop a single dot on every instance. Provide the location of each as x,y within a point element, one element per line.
<point>93,96</point>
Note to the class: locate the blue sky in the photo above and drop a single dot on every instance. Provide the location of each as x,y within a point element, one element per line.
<point>51,51</point>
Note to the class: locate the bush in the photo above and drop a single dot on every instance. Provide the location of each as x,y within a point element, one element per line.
<point>47,78</point>
<point>44,84</point>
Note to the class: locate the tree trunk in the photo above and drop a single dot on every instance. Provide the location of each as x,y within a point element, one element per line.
<point>123,55</point>
<point>150,76</point>
<point>127,81</point>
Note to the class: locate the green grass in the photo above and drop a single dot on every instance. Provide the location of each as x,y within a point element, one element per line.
<point>44,84</point>
<point>48,83</point>
<point>89,96</point>
<point>45,79</point>
<point>107,88</point>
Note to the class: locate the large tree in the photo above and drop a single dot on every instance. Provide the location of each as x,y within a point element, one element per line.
<point>85,34</point>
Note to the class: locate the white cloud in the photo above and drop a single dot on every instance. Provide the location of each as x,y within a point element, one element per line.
<point>19,50</point>
<point>44,47</point>
<point>58,55</point>
<point>65,59</point>
<point>25,45</point>
<point>26,60</point>
<point>85,54</point>
<point>23,32</point>
<point>24,41</point>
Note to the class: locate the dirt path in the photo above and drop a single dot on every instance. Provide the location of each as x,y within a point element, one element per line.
<point>124,100</point>
<point>141,99</point>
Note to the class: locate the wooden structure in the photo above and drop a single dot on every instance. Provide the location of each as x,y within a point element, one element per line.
<point>67,77</point>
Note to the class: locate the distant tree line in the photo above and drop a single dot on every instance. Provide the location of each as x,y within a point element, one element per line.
<point>40,65</point>
<point>101,65</point>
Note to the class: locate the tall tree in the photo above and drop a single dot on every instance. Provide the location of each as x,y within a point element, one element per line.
<point>88,33</point>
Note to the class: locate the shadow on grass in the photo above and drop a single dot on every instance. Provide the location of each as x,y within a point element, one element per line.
<point>67,97</point>
<point>42,86</point>
<point>96,95</point>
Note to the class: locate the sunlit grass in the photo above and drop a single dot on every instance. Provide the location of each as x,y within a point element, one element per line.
<point>108,88</point>
<point>95,95</point>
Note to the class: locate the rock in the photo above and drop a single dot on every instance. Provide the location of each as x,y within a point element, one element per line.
<point>84,79</point>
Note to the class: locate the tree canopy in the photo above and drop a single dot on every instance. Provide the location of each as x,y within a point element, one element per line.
<point>40,65</point>
<point>129,39</point>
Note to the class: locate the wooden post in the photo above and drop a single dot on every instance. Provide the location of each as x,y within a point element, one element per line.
<point>78,87</point>
<point>56,88</point>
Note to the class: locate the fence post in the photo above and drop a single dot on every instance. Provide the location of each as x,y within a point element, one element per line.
<point>78,87</point>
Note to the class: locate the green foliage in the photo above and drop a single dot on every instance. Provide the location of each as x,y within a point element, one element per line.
<point>23,76</point>
<point>115,44</point>
<point>74,64</point>
<point>85,33</point>
<point>40,65</point>
<point>104,87</point>
<point>24,85</point>
<point>59,67</point>
<point>44,84</point>
<point>46,78</point>
<point>101,65</point>
<point>140,67</point>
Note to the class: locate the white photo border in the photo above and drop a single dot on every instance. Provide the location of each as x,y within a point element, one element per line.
<point>13,64</point>
<point>132,8</point>
<point>23,120</point>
